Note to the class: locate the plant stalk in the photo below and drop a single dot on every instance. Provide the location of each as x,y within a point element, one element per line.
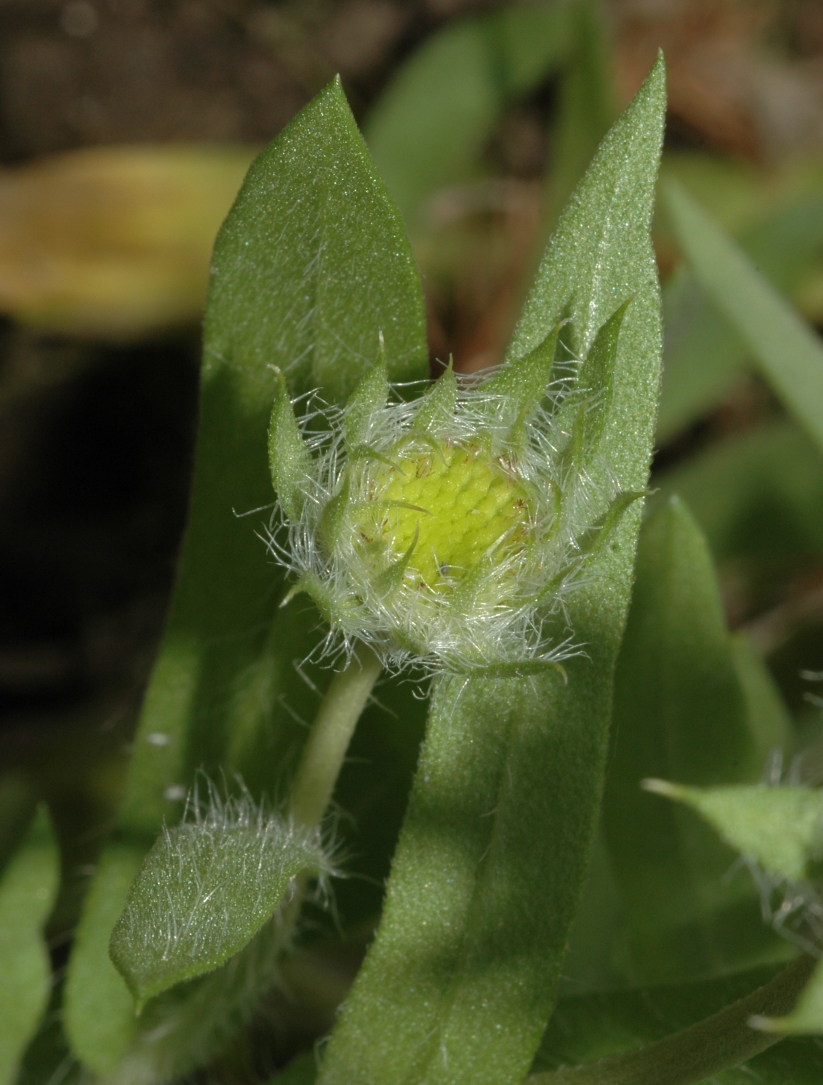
<point>700,1051</point>
<point>330,735</point>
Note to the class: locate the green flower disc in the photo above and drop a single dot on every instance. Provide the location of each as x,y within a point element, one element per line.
<point>462,503</point>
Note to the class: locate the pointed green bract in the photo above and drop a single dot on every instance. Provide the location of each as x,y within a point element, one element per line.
<point>370,395</point>
<point>439,402</point>
<point>596,382</point>
<point>289,459</point>
<point>204,890</point>
<point>311,265</point>
<point>780,828</point>
<point>460,980</point>
<point>28,888</point>
<point>525,382</point>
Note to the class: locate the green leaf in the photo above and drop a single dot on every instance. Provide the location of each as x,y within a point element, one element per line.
<point>310,267</point>
<point>28,889</point>
<point>99,1009</point>
<point>460,980</point>
<point>781,828</point>
<point>432,122</point>
<point>679,711</point>
<point>702,353</point>
<point>609,1048</point>
<point>204,890</point>
<point>786,349</point>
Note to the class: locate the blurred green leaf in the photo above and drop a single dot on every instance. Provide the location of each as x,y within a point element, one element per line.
<point>431,123</point>
<point>310,267</point>
<point>786,349</point>
<point>770,724</point>
<point>98,1007</point>
<point>587,105</point>
<point>28,889</point>
<point>460,980</point>
<point>758,495</point>
<point>679,711</point>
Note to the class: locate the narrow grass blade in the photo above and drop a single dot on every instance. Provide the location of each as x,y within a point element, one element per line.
<point>786,349</point>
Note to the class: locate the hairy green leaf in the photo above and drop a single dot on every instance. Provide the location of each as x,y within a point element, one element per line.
<point>28,889</point>
<point>460,981</point>
<point>786,349</point>
<point>310,268</point>
<point>204,890</point>
<point>678,703</point>
<point>432,122</point>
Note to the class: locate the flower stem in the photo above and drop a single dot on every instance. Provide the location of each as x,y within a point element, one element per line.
<point>330,735</point>
<point>699,1052</point>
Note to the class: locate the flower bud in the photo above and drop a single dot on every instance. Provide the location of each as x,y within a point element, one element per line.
<point>448,530</point>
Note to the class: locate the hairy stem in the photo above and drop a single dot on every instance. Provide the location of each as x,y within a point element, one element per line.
<point>720,1042</point>
<point>330,736</point>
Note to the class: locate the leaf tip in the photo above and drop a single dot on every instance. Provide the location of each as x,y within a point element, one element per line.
<point>662,787</point>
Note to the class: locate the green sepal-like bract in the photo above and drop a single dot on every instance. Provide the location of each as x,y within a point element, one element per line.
<point>289,458</point>
<point>369,396</point>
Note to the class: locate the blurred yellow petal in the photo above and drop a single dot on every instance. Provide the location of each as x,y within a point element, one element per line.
<point>114,242</point>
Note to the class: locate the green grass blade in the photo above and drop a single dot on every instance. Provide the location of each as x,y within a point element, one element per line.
<point>310,267</point>
<point>678,703</point>
<point>432,122</point>
<point>787,351</point>
<point>461,978</point>
<point>28,889</point>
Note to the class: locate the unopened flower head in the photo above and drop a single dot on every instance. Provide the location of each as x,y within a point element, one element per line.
<point>448,530</point>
